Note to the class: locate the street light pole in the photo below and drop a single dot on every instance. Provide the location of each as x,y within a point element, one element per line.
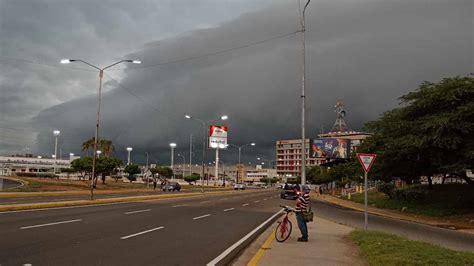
<point>101,75</point>
<point>56,134</point>
<point>303,99</point>
<point>129,150</point>
<point>190,154</point>
<point>172,145</point>
<point>184,162</point>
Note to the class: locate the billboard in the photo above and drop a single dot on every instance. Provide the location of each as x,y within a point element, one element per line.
<point>217,137</point>
<point>332,148</point>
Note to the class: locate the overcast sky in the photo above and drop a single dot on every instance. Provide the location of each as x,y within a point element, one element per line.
<point>366,52</point>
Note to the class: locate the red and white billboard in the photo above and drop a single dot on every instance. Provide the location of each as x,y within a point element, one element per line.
<point>217,137</point>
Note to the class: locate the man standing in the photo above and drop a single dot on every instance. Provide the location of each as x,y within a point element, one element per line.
<point>302,206</point>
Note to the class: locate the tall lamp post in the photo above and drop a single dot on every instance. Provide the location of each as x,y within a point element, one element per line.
<point>99,153</point>
<point>56,134</point>
<point>129,150</point>
<point>240,147</point>
<point>184,162</point>
<point>101,75</point>
<point>303,99</point>
<point>205,125</point>
<point>172,146</point>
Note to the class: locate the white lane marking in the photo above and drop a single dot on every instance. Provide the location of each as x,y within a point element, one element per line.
<point>27,264</point>
<point>229,209</point>
<point>182,205</point>
<point>41,225</point>
<point>132,212</point>
<point>256,201</point>
<point>141,233</point>
<point>202,216</point>
<point>69,207</point>
<point>246,204</point>
<point>243,239</point>
<point>265,199</point>
<point>205,201</point>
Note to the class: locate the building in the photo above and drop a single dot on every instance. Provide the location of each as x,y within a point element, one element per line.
<point>10,165</point>
<point>254,175</point>
<point>288,152</point>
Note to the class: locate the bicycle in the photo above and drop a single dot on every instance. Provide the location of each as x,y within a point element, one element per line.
<point>283,230</point>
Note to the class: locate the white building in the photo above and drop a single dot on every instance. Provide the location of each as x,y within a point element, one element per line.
<point>10,165</point>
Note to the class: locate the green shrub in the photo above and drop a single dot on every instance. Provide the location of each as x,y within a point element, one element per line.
<point>386,188</point>
<point>411,194</point>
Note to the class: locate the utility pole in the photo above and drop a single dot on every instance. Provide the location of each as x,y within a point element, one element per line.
<point>190,154</point>
<point>303,99</point>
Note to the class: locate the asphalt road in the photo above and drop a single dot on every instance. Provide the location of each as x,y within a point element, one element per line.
<point>444,237</point>
<point>185,231</point>
<point>41,199</point>
<point>7,184</point>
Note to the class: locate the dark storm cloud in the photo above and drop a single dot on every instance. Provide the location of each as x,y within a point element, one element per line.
<point>366,52</point>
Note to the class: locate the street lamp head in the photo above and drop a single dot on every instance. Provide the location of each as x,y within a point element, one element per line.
<point>71,154</point>
<point>56,133</point>
<point>258,158</point>
<point>224,117</point>
<point>188,116</point>
<point>172,144</point>
<point>66,61</point>
<point>99,152</point>
<point>129,149</point>
<point>252,144</point>
<point>136,61</point>
<point>53,156</point>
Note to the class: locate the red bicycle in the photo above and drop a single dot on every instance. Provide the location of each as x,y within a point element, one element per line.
<point>283,230</point>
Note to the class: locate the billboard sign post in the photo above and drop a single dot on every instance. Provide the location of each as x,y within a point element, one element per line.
<point>366,160</point>
<point>332,148</point>
<point>217,140</point>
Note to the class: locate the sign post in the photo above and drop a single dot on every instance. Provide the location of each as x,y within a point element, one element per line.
<point>217,140</point>
<point>366,160</point>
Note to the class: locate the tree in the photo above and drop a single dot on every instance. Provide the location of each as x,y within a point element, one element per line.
<point>430,134</point>
<point>106,166</point>
<point>165,172</point>
<point>132,170</point>
<point>68,171</point>
<point>103,145</point>
<point>318,175</point>
<point>88,144</point>
<point>192,178</point>
<point>83,166</point>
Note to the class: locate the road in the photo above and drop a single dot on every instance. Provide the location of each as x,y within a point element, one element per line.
<point>185,231</point>
<point>182,231</point>
<point>440,236</point>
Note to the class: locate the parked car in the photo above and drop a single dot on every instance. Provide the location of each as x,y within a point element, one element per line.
<point>294,191</point>
<point>238,186</point>
<point>171,186</point>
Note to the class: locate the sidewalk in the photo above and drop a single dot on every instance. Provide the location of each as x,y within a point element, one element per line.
<point>327,246</point>
<point>395,214</point>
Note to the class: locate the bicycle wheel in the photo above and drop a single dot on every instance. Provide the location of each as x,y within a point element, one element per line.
<point>283,231</point>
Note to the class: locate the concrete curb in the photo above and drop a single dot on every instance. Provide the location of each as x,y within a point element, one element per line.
<point>394,216</point>
<point>31,206</point>
<point>22,182</point>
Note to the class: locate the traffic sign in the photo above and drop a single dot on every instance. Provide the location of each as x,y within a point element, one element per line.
<point>366,160</point>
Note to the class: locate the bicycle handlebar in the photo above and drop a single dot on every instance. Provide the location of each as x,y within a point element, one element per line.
<point>287,208</point>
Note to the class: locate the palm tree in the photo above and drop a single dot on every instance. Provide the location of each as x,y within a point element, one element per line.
<point>88,144</point>
<point>106,147</point>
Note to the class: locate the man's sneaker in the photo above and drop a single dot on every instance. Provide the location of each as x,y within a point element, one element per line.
<point>302,239</point>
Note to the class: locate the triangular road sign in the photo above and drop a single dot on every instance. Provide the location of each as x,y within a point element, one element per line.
<point>366,160</point>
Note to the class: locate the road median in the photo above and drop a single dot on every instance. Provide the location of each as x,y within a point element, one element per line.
<point>421,219</point>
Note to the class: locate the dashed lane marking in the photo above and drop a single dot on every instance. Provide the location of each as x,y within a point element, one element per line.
<point>202,216</point>
<point>48,224</point>
<point>246,204</point>
<point>141,233</point>
<point>226,210</point>
<point>132,212</point>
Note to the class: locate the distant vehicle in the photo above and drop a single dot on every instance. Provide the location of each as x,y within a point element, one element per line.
<point>171,186</point>
<point>293,191</point>
<point>238,186</point>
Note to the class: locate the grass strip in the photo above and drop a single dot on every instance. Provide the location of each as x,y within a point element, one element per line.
<point>386,249</point>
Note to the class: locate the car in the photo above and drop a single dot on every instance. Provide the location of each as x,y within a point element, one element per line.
<point>293,191</point>
<point>238,186</point>
<point>171,186</point>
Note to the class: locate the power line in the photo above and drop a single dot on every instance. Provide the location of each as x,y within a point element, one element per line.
<point>211,54</point>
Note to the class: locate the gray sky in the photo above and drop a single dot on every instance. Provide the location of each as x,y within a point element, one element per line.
<point>367,52</point>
